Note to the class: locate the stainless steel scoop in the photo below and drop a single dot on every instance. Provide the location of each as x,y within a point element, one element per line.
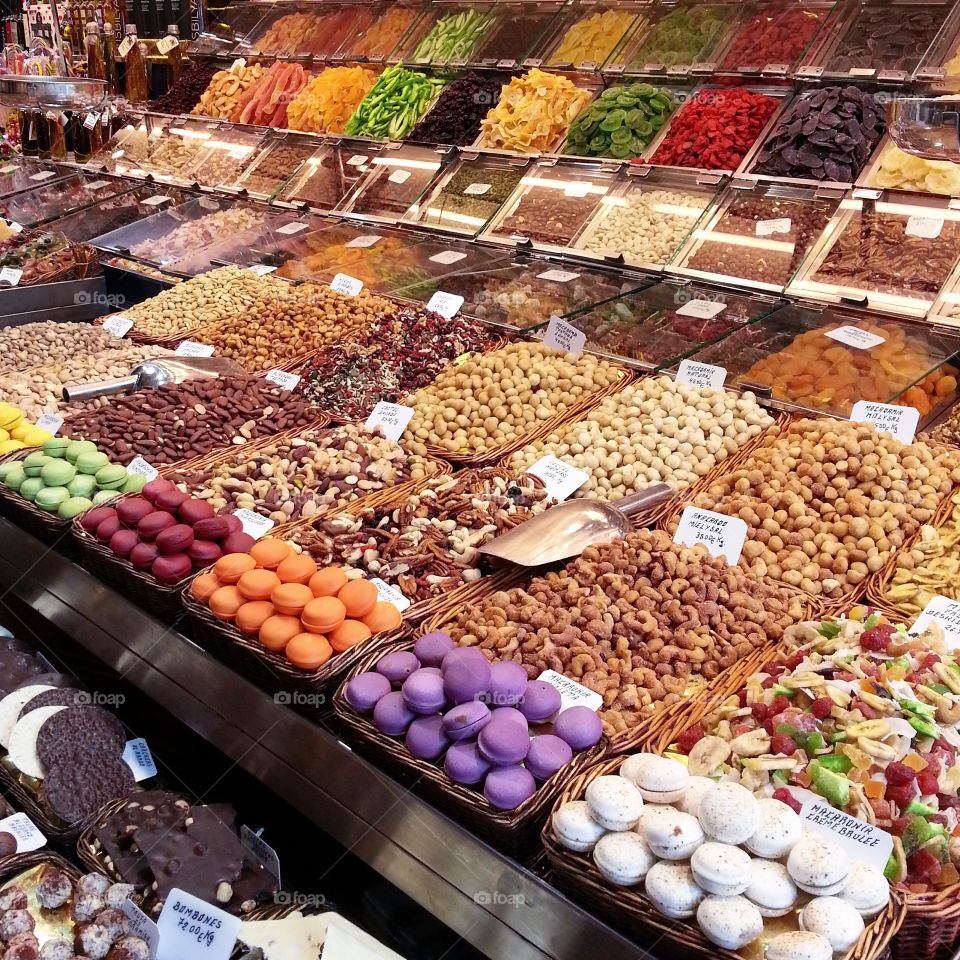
<point>567,529</point>
<point>156,373</point>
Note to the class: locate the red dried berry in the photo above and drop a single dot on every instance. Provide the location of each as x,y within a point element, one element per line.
<point>690,737</point>
<point>759,711</point>
<point>821,707</point>
<point>785,796</point>
<point>782,743</point>
<point>900,773</point>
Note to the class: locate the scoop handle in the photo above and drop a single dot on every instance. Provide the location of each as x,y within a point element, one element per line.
<point>102,388</point>
<point>643,499</point>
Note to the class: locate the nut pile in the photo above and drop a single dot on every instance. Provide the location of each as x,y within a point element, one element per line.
<point>181,421</point>
<point>828,502</point>
<point>222,97</point>
<point>949,430</point>
<point>300,477</point>
<point>654,431</point>
<point>191,235</point>
<point>637,621</point>
<point>46,342</point>
<point>429,544</point>
<point>493,399</point>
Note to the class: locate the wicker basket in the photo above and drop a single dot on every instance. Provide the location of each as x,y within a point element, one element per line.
<point>629,910</point>
<point>512,831</point>
<point>45,526</point>
<point>16,864</point>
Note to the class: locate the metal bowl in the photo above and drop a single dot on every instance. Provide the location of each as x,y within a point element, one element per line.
<point>927,127</point>
<point>64,93</point>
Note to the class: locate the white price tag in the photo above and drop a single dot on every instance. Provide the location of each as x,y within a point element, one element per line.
<point>49,422</point>
<point>389,594</point>
<point>448,257</point>
<point>156,201</point>
<point>691,374</point>
<point>357,160</point>
<point>564,336</point>
<point>476,189</point>
<point>238,64</point>
<point>767,227</point>
<point>902,422</point>
<point>284,380</point>
<point>365,240</point>
<point>191,929</point>
<point>139,759</point>
<point>345,284</point>
<point>25,832</point>
<point>446,304</point>
<point>261,850</point>
<point>560,479</point>
<point>15,227</point>
<point>860,840</point>
<point>722,536</point>
<point>576,189</point>
<point>118,325</point>
<point>9,168</point>
<point>855,337</point>
<point>11,275</point>
<point>558,276</point>
<point>140,925</point>
<point>944,611</point>
<point>572,694</point>
<point>927,228</point>
<point>96,184</point>
<point>862,71</point>
<point>91,120</point>
<point>399,176</point>
<point>126,45</point>
<point>702,309</point>
<point>261,269</point>
<point>43,175</point>
<point>167,43</point>
<point>141,468</point>
<point>390,418</point>
<point>190,348</point>
<point>253,524</point>
<point>289,228</point>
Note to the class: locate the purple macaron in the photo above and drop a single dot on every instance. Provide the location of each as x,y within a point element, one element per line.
<point>466,720</point>
<point>465,678</point>
<point>431,648</point>
<point>581,727</point>
<point>365,690</point>
<point>512,715</point>
<point>397,666</point>
<point>392,716</point>
<point>423,693</point>
<point>540,701</point>
<point>507,787</point>
<point>464,764</point>
<point>503,742</point>
<point>426,739</point>
<point>508,682</point>
<point>547,754</point>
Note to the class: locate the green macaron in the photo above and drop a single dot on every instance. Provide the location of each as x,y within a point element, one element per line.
<point>57,473</point>
<point>56,447</point>
<point>134,483</point>
<point>50,498</point>
<point>90,461</point>
<point>15,477</point>
<point>35,462</point>
<point>73,507</point>
<point>76,447</point>
<point>82,485</point>
<point>9,467</point>
<point>104,496</point>
<point>30,488</point>
<point>111,477</point>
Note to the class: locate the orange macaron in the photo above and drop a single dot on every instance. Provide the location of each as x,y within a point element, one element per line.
<point>291,598</point>
<point>225,602</point>
<point>232,566</point>
<point>359,597</point>
<point>258,584</point>
<point>270,553</point>
<point>384,616</point>
<point>323,614</point>
<point>327,582</point>
<point>205,586</point>
<point>348,634</point>
<point>308,651</point>
<point>297,568</point>
<point>276,631</point>
<point>251,616</point>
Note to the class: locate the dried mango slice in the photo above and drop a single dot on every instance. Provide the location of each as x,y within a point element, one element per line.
<point>592,39</point>
<point>328,100</point>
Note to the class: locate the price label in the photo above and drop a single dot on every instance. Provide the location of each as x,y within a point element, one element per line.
<point>365,240</point>
<point>157,200</point>
<point>572,694</point>
<point>262,269</point>
<point>576,189</point>
<point>702,309</point>
<point>141,468</point>
<point>238,64</point>
<point>862,71</point>
<point>126,45</point>
<point>91,120</point>
<point>43,175</point>
<point>118,325</point>
<point>167,43</point>
<point>902,422</point>
<point>926,227</point>
<point>446,304</point>
<point>389,594</point>
<point>559,478</point>
<point>767,227</point>
<point>9,168</point>
<point>357,160</point>
<point>27,835</point>
<point>96,184</point>
<point>855,337</point>
<point>558,276</point>
<point>15,227</point>
<point>253,524</point>
<point>944,611</point>
<point>350,286</point>
<point>284,380</point>
<point>860,840</point>
<point>190,348</point>
<point>691,374</point>
<point>399,176</point>
<point>139,759</point>
<point>11,275</point>
<point>476,189</point>
<point>390,419</point>
<point>448,257</point>
<point>564,336</point>
<point>294,227</point>
<point>722,536</point>
<point>261,850</point>
<point>191,928</point>
<point>140,925</point>
<point>50,422</point>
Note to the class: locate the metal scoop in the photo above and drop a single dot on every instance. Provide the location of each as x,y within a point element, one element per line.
<point>156,373</point>
<point>567,529</point>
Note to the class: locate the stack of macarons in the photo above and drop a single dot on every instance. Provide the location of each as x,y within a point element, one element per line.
<point>452,706</point>
<point>294,609</point>
<point>68,477</point>
<point>17,432</point>
<point>714,851</point>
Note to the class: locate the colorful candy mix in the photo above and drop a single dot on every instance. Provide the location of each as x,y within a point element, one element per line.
<point>773,36</point>
<point>592,39</point>
<point>328,100</point>
<point>394,105</point>
<point>534,111</point>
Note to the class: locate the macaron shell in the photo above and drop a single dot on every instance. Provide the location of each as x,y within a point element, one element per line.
<point>22,747</point>
<point>623,858</point>
<point>865,889</point>
<point>818,866</point>
<point>694,792</point>
<point>615,803</point>
<point>779,830</point>
<point>729,922</point>
<point>359,597</point>
<point>833,919</point>
<point>721,869</point>
<point>771,889</point>
<point>729,813</point>
<point>674,838</point>
<point>672,890</point>
<point>659,779</point>
<point>575,828</point>
<point>799,945</point>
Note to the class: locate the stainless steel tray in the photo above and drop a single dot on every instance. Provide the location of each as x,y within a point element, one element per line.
<point>63,92</point>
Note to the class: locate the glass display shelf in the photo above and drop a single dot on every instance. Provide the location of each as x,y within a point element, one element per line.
<point>450,33</point>
<point>226,31</point>
<point>585,35</point>
<point>330,175</point>
<point>54,198</point>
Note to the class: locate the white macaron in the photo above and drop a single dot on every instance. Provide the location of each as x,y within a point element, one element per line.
<point>623,858</point>
<point>835,920</point>
<point>673,837</point>
<point>615,803</point>
<point>729,922</point>
<point>650,813</point>
<point>771,890</point>
<point>778,831</point>
<point>575,828</point>
<point>720,869</point>
<point>818,866</point>
<point>799,945</point>
<point>693,794</point>
<point>672,890</point>
<point>729,813</point>
<point>659,779</point>
<point>866,889</point>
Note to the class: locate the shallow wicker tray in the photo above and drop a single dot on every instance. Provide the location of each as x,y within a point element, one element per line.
<point>514,832</point>
<point>45,526</point>
<point>19,862</point>
<point>629,910</point>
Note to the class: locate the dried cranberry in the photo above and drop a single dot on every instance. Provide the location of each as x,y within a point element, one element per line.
<point>900,773</point>
<point>782,743</point>
<point>785,796</point>
<point>821,707</point>
<point>690,737</point>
